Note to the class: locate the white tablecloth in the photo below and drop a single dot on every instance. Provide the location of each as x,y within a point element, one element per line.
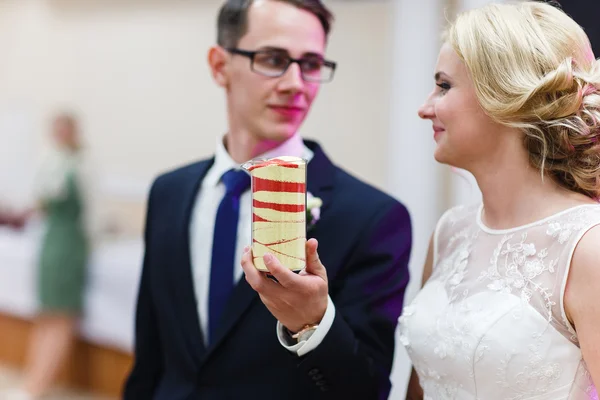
<point>110,294</point>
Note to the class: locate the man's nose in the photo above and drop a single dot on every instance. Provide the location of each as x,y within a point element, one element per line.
<point>292,79</point>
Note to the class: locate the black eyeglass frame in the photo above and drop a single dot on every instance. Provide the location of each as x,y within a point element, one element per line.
<point>251,54</point>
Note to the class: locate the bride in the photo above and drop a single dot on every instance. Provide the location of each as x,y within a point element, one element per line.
<point>509,308</point>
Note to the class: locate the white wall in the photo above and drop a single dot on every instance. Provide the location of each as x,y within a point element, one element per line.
<point>136,73</point>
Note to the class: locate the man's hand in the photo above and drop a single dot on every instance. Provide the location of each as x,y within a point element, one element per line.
<point>298,299</point>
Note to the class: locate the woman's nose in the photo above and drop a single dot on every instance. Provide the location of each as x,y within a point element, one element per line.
<point>426,111</point>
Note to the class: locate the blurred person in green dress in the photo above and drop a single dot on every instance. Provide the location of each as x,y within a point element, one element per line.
<point>62,260</point>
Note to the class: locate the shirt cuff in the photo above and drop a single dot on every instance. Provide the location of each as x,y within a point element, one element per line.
<point>305,346</point>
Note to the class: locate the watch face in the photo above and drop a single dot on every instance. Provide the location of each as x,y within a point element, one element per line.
<point>306,334</point>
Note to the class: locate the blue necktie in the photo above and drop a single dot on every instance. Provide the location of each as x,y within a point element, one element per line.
<point>224,246</point>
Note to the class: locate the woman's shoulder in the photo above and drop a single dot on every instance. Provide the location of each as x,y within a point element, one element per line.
<point>583,284</point>
<point>583,225</point>
<point>453,222</point>
<point>459,215</point>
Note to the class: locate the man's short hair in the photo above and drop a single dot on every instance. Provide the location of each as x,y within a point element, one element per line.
<point>232,23</point>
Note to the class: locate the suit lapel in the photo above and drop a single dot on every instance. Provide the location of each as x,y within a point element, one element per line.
<point>182,267</point>
<point>320,179</point>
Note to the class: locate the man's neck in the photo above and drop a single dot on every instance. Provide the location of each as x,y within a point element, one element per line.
<point>242,149</point>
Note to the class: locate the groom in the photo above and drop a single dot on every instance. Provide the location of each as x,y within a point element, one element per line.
<point>202,332</point>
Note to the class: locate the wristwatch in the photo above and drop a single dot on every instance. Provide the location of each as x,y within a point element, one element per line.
<point>305,333</point>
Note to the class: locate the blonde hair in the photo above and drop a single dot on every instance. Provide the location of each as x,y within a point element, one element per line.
<point>533,69</point>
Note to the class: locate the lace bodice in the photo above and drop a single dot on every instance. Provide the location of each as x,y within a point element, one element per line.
<point>490,322</point>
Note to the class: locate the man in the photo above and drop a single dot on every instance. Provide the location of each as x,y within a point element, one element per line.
<point>202,332</point>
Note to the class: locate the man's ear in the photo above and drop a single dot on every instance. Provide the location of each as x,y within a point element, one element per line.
<point>217,62</point>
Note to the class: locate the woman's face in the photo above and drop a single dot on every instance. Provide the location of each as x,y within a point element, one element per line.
<point>464,133</point>
<point>65,133</point>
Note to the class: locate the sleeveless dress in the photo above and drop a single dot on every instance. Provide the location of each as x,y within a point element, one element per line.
<point>490,322</point>
<point>64,250</point>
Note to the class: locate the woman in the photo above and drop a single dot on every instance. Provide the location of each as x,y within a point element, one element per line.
<point>62,261</point>
<point>509,308</point>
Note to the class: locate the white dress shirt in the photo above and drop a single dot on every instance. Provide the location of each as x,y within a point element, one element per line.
<point>202,227</point>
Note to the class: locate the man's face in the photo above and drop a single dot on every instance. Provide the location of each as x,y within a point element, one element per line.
<point>273,108</point>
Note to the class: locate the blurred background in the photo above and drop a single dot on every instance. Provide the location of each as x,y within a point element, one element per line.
<point>134,74</point>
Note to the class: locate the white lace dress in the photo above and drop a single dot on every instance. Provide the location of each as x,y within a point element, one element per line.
<point>490,322</point>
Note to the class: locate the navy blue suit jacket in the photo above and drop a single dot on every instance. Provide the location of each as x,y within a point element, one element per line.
<point>364,242</point>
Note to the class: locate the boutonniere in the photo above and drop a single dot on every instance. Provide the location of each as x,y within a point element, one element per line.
<point>313,210</point>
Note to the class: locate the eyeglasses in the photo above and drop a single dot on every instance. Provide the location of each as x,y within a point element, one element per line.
<point>274,63</point>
